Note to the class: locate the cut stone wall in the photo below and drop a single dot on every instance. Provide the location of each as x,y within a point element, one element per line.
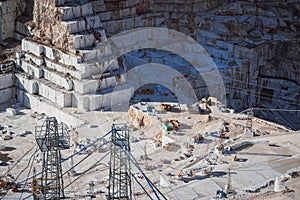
<point>67,82</point>
<point>41,105</point>
<point>10,11</point>
<point>7,87</point>
<point>8,18</point>
<point>242,38</point>
<point>69,51</point>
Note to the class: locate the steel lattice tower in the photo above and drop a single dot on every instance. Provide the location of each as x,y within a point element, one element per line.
<point>119,173</point>
<point>51,139</point>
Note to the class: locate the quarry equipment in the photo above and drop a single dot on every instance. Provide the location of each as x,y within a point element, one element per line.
<point>172,125</point>
<point>51,138</point>
<point>166,107</point>
<point>119,173</point>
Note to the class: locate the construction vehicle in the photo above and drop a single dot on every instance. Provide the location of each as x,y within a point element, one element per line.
<point>172,125</point>
<point>166,107</point>
<point>176,124</point>
<point>191,174</point>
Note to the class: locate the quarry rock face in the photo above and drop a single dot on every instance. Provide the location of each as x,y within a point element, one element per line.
<point>68,25</point>
<point>197,81</point>
<point>254,44</point>
<point>9,11</point>
<point>47,25</point>
<point>12,12</point>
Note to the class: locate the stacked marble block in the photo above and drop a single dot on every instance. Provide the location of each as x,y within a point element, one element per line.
<point>69,79</point>
<point>126,15</point>
<point>82,24</point>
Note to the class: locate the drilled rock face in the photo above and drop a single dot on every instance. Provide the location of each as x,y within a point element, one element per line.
<point>45,13</point>
<point>47,25</point>
<point>287,62</point>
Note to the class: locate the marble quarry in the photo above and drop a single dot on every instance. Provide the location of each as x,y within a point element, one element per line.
<point>67,60</point>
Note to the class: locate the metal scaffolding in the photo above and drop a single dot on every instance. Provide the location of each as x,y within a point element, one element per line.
<point>119,173</point>
<point>51,139</point>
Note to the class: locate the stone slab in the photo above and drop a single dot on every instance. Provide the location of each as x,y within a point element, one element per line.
<point>63,69</point>
<point>85,86</point>
<point>27,84</point>
<point>37,60</point>
<point>40,105</point>
<point>32,47</point>
<point>59,97</point>
<point>58,79</point>
<point>80,101</point>
<point>74,11</point>
<point>32,69</point>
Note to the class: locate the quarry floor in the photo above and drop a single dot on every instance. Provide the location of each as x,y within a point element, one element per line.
<point>269,156</point>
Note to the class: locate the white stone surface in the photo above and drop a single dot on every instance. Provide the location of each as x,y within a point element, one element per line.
<point>63,69</point>
<point>96,102</point>
<point>60,97</point>
<point>58,79</point>
<point>69,59</point>
<point>104,50</point>
<point>277,185</point>
<point>32,69</point>
<point>93,22</point>
<point>37,60</point>
<point>80,101</point>
<point>85,86</point>
<point>83,24</point>
<point>70,12</point>
<point>37,49</point>
<point>108,83</point>
<point>40,105</point>
<point>29,85</point>
<point>32,47</point>
<point>98,67</point>
<point>49,52</point>
<point>11,111</point>
<point>83,40</point>
<point>164,181</point>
